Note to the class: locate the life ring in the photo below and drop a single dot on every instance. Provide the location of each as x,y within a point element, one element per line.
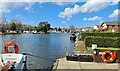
<point>110,54</point>
<point>11,44</point>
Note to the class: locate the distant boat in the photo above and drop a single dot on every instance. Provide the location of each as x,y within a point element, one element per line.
<point>55,32</point>
<point>73,37</point>
<point>11,59</point>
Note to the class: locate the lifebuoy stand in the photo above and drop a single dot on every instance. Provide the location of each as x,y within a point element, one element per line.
<point>13,45</point>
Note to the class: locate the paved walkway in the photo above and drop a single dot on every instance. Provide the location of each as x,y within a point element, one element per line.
<point>79,45</point>
<point>65,65</point>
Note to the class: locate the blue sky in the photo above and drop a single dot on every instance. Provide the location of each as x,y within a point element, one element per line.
<point>79,14</point>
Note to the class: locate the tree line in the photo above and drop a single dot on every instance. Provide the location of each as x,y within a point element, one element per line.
<point>17,26</point>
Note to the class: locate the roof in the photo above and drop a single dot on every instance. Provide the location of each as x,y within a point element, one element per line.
<point>99,27</point>
<point>112,23</point>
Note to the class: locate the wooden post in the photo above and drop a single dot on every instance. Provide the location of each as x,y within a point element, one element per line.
<point>96,56</point>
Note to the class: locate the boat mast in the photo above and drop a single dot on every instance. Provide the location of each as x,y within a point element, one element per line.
<point>2,41</point>
<point>2,36</point>
<point>4,23</point>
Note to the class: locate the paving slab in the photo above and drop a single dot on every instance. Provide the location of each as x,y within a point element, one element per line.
<point>73,65</point>
<point>65,65</point>
<point>92,65</point>
<point>80,45</point>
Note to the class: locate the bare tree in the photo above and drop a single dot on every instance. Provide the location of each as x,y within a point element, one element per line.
<point>72,29</point>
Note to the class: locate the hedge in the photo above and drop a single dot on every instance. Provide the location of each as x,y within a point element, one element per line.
<point>102,41</point>
<point>83,35</point>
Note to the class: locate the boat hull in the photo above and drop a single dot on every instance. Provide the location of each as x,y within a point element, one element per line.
<point>18,59</point>
<point>73,38</point>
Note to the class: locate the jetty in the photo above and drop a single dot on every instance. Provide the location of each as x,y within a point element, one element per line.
<point>85,60</point>
<point>62,64</point>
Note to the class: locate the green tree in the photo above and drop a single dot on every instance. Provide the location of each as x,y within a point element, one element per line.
<point>19,27</point>
<point>44,27</point>
<point>59,29</point>
<point>56,28</point>
<point>13,26</point>
<point>3,28</point>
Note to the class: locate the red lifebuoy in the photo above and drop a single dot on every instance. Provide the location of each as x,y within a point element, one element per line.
<point>11,44</point>
<point>112,56</point>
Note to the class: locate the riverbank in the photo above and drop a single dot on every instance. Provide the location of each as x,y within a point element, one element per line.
<point>81,64</point>
<point>34,33</point>
<point>63,64</point>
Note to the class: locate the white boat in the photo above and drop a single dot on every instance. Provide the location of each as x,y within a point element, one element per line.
<point>12,60</point>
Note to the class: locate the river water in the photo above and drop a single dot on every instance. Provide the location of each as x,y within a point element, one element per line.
<point>49,46</point>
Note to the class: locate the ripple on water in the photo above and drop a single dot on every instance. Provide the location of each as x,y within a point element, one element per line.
<point>46,45</point>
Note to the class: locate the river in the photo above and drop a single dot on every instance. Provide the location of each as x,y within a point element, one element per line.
<point>50,46</point>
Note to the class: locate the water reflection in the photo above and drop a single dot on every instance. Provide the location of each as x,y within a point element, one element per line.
<point>50,46</point>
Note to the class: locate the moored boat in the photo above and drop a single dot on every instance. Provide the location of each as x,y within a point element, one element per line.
<point>73,37</point>
<point>12,60</point>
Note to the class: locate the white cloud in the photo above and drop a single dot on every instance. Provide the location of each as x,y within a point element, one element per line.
<point>63,3</point>
<point>53,0</point>
<point>68,12</point>
<point>59,3</point>
<point>94,6</point>
<point>42,0</point>
<point>89,6</point>
<point>115,14</point>
<point>8,6</point>
<point>93,18</point>
<point>97,5</point>
<point>84,18</point>
<point>114,2</point>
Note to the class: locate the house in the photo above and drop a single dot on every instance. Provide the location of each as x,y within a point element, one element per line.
<point>108,26</point>
<point>86,29</point>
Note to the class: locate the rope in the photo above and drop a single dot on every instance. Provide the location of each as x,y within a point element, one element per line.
<point>40,57</point>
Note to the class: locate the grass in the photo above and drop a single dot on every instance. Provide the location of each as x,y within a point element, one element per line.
<point>104,48</point>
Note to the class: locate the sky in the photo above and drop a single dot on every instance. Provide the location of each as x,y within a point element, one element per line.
<point>62,14</point>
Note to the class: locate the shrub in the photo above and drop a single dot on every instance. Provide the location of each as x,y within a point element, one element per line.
<point>83,35</point>
<point>102,41</point>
